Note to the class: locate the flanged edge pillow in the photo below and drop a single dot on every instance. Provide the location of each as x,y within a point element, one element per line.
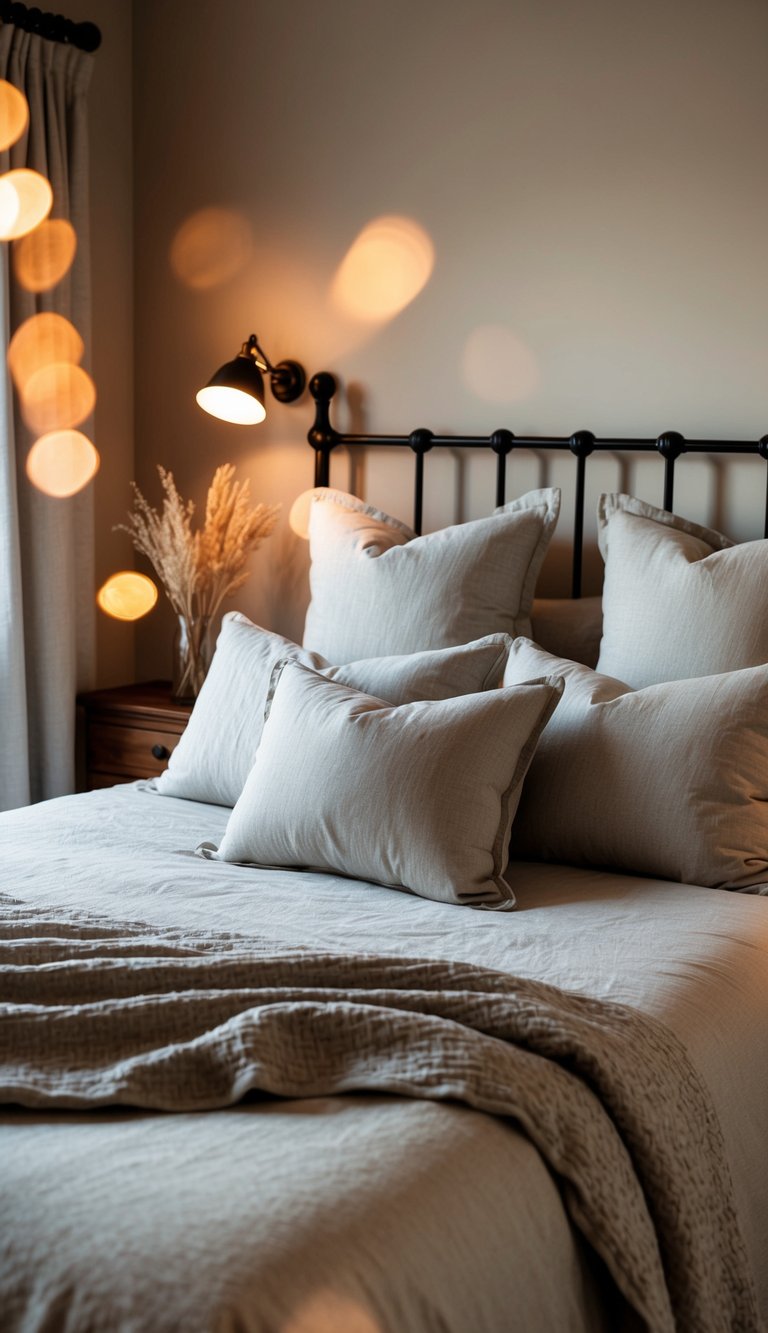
<point>669,781</point>
<point>376,587</point>
<point>679,600</point>
<point>214,756</point>
<point>420,796</point>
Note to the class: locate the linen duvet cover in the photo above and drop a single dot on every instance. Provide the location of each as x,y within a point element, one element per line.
<point>419,1195</point>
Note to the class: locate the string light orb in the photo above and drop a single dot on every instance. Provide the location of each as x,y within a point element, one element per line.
<point>56,397</point>
<point>127,595</point>
<point>62,462</point>
<point>14,114</point>
<point>40,341</point>
<point>9,207</point>
<point>35,201</point>
<point>43,257</point>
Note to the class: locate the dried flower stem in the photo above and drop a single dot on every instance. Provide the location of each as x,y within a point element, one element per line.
<point>199,569</point>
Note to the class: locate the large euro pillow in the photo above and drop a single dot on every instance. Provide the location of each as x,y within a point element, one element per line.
<point>377,588</point>
<point>670,780</point>
<point>213,758</point>
<point>419,797</point>
<point>679,600</point>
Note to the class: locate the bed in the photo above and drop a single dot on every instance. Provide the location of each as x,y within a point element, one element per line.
<point>241,1095</point>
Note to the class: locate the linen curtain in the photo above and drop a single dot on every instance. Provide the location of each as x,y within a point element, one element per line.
<point>47,627</point>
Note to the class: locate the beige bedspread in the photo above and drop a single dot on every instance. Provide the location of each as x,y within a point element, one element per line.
<point>97,1013</point>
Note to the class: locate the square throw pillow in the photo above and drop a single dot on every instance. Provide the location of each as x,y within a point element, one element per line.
<point>418,797</point>
<point>377,588</point>
<point>679,600</point>
<point>669,781</point>
<point>214,756</point>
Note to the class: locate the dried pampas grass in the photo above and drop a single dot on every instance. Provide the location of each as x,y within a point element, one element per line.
<point>199,569</point>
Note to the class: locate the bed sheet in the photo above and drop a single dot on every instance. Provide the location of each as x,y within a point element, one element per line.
<point>108,1196</point>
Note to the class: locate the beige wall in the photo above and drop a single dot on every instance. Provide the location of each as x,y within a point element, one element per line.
<point>593,181</point>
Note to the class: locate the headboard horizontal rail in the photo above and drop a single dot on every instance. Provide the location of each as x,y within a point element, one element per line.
<point>670,446</point>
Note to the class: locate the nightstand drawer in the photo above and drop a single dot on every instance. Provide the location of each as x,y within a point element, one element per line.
<point>135,751</point>
<point>128,732</point>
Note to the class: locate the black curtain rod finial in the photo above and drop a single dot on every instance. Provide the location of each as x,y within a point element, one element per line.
<point>54,27</point>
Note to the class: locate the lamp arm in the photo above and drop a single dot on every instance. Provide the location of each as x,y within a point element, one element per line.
<point>252,348</point>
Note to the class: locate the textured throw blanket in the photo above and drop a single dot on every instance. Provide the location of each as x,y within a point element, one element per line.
<point>95,1014</point>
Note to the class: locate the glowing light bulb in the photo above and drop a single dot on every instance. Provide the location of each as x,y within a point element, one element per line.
<point>231,405</point>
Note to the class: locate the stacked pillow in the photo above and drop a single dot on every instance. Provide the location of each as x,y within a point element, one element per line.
<point>408,769</point>
<point>403,769</point>
<point>418,797</point>
<point>378,588</point>
<point>670,780</point>
<point>679,600</point>
<point>657,763</point>
<point>214,756</point>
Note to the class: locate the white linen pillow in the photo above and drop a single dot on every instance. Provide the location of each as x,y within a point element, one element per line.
<point>670,780</point>
<point>418,797</point>
<point>214,756</point>
<point>376,587</point>
<point>679,600</point>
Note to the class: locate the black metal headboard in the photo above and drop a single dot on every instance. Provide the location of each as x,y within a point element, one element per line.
<point>669,446</point>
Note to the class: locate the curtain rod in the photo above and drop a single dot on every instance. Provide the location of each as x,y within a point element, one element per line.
<point>55,27</point>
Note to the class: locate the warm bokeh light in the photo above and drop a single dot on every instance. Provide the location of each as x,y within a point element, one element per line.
<point>299,515</point>
<point>42,258</point>
<point>127,595</point>
<point>62,463</point>
<point>231,405</point>
<point>384,269</point>
<point>497,365</point>
<point>14,114</point>
<point>9,207</point>
<point>35,201</point>
<point>211,247</point>
<point>40,341</point>
<point>57,396</point>
<point>330,1312</point>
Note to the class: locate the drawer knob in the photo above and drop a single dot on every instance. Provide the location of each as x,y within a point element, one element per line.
<point>160,751</point>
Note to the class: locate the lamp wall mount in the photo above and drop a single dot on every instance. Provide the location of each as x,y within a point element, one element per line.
<point>287,379</point>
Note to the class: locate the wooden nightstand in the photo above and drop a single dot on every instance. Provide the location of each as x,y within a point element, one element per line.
<point>129,732</point>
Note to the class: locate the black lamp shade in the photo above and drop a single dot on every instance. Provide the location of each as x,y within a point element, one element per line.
<point>235,393</point>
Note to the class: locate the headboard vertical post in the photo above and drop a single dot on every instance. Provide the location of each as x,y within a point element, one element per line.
<point>670,445</point>
<point>502,443</point>
<point>421,443</point>
<point>322,436</point>
<point>581,445</point>
<point>762,449</point>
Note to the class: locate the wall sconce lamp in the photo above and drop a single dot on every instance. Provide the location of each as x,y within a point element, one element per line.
<point>236,392</point>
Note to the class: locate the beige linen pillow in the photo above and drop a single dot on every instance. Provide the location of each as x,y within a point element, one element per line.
<point>670,780</point>
<point>679,600</point>
<point>418,797</point>
<point>214,756</point>
<point>378,588</point>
